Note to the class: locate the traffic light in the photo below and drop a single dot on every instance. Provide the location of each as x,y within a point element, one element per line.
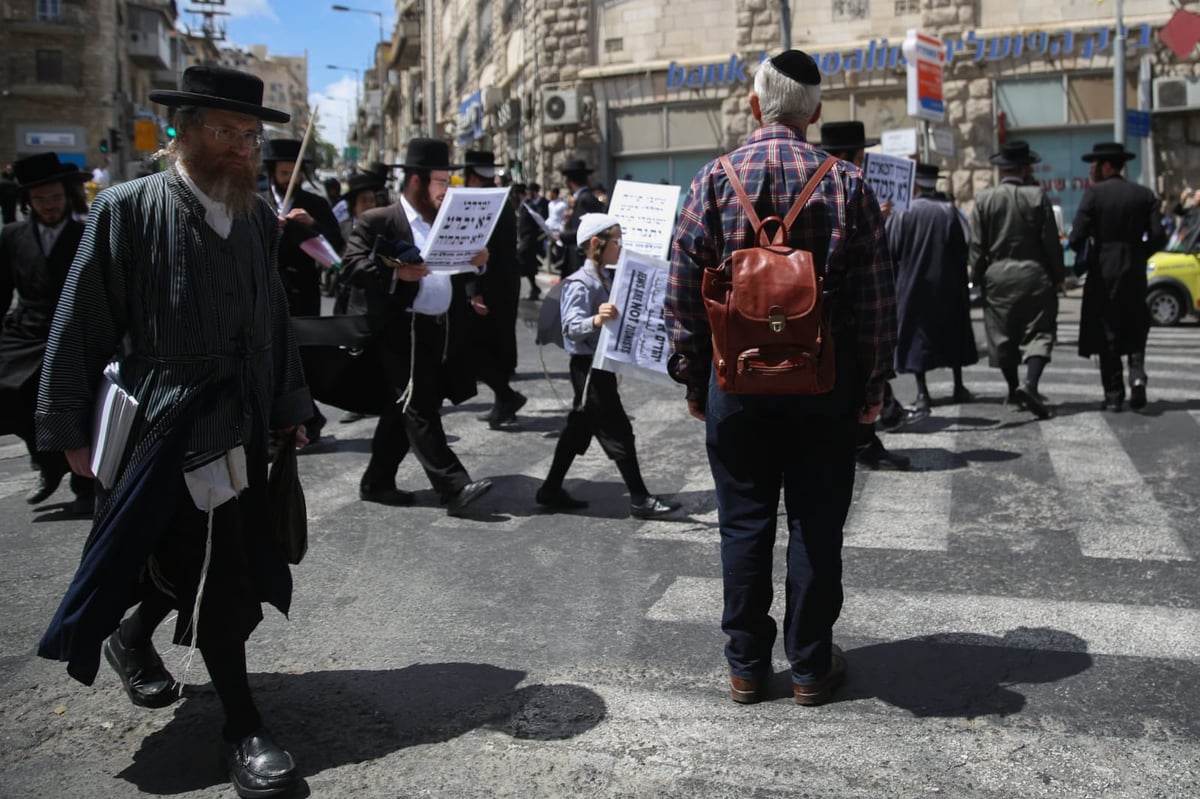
<point>171,131</point>
<point>104,145</point>
<point>114,139</point>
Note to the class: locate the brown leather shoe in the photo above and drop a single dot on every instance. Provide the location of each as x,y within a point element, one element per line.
<point>821,691</point>
<point>747,692</point>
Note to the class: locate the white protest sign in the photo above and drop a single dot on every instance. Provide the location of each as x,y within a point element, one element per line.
<point>647,215</point>
<point>637,342</point>
<point>891,178</point>
<point>463,226</point>
<point>901,142</point>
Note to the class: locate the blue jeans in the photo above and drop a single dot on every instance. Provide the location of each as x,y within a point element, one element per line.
<point>756,446</point>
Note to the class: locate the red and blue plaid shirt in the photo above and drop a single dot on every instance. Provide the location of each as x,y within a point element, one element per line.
<point>841,225</point>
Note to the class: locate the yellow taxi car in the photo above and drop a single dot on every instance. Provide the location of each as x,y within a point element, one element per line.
<point>1173,280</point>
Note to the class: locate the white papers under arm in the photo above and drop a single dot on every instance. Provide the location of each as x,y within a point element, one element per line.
<point>116,411</point>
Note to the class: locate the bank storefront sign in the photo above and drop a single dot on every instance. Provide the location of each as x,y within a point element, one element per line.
<point>882,54</point>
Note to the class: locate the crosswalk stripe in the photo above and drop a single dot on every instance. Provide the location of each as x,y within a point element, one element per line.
<point>908,510</point>
<point>1115,513</point>
<point>1057,390</point>
<point>1105,628</point>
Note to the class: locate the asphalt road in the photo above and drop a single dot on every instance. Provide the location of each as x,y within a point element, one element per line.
<point>1021,619</point>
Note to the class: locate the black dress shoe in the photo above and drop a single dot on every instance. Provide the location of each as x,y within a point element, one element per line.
<point>142,672</point>
<point>258,766</point>
<point>1114,402</point>
<point>962,395</point>
<point>47,484</point>
<point>1137,395</point>
<point>466,495</point>
<point>875,456</point>
<point>1032,401</point>
<point>652,508</point>
<point>922,403</point>
<point>389,495</point>
<point>558,499</point>
<point>505,412</point>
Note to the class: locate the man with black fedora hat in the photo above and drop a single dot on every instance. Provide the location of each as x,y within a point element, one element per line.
<point>421,322</point>
<point>1017,262</point>
<point>308,215</point>
<point>582,201</point>
<point>933,309</point>
<point>802,446</point>
<point>497,297</point>
<point>361,195</point>
<point>34,258</point>
<point>176,282</point>
<point>1121,222</point>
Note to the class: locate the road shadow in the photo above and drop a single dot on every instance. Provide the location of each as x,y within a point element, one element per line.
<point>328,719</point>
<point>963,675</point>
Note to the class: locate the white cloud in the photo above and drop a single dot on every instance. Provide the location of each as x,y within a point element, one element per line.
<point>335,104</point>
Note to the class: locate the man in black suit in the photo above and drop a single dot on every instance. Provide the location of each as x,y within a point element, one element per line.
<point>307,216</point>
<point>583,201</point>
<point>34,258</point>
<point>531,238</point>
<point>1121,220</point>
<point>421,323</point>
<point>497,296</point>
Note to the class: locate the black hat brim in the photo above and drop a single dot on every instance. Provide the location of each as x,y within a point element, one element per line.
<point>1123,156</point>
<point>854,145</point>
<point>348,197</point>
<point>998,159</point>
<point>64,177</point>
<point>178,98</point>
<point>442,167</point>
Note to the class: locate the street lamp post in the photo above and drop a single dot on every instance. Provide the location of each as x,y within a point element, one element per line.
<point>379,61</point>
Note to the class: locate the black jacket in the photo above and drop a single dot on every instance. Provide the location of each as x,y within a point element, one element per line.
<point>300,272</point>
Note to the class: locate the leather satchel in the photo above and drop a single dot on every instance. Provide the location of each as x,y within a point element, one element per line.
<point>285,495</point>
<point>764,303</point>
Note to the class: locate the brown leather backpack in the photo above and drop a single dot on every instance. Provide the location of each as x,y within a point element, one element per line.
<point>764,303</point>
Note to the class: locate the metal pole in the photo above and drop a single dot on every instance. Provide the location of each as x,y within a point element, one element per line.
<point>431,95</point>
<point>785,24</point>
<point>924,143</point>
<point>1119,77</point>
<point>382,67</point>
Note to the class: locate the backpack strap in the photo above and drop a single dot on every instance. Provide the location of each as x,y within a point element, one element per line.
<point>790,219</point>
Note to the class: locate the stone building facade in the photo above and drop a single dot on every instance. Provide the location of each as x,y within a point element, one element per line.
<point>652,89</point>
<point>75,74</point>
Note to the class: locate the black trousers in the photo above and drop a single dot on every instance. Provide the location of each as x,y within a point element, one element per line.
<point>17,407</point>
<point>598,414</point>
<point>419,429</point>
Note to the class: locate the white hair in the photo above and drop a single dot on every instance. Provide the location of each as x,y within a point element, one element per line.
<point>781,99</point>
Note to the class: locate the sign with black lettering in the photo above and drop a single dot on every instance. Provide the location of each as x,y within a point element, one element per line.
<point>637,342</point>
<point>891,178</point>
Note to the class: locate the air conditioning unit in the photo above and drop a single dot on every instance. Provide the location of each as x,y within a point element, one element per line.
<point>1176,93</point>
<point>561,108</point>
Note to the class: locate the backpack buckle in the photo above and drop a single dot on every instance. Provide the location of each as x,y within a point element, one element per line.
<point>777,319</point>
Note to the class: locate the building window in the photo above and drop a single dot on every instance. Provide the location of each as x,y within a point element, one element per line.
<point>850,10</point>
<point>49,66</point>
<point>49,10</point>
<point>614,45</point>
<point>464,61</point>
<point>1033,103</point>
<point>512,8</point>
<point>484,44</point>
<point>906,7</point>
<point>665,145</point>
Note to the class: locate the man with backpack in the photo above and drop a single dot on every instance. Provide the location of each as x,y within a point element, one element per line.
<point>769,439</point>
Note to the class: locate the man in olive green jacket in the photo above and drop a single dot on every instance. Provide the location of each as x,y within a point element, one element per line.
<point>1017,261</point>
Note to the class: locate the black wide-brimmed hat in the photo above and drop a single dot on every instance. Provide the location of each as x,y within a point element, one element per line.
<point>1014,153</point>
<point>43,168</point>
<point>1109,151</point>
<point>223,88</point>
<point>283,150</point>
<point>576,166</point>
<point>381,170</point>
<point>926,176</point>
<point>842,136</point>
<point>427,154</point>
<point>481,162</point>
<point>364,181</point>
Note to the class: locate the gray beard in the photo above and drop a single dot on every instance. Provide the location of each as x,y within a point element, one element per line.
<point>237,192</point>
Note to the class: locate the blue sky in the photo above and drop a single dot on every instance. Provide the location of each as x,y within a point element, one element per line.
<point>289,27</point>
